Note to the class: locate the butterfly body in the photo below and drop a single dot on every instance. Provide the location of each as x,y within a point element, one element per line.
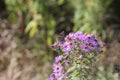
<point>61,37</point>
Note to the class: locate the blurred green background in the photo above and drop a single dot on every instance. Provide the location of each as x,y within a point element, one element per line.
<point>29,27</point>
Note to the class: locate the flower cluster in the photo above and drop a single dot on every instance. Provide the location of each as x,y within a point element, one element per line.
<point>57,70</point>
<point>84,42</point>
<point>77,49</point>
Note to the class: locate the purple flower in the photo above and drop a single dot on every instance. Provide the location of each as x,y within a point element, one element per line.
<point>52,77</point>
<point>103,44</point>
<point>73,44</point>
<point>85,48</point>
<point>57,68</point>
<point>67,47</point>
<point>79,36</point>
<point>99,49</point>
<point>58,59</point>
<point>57,73</point>
<point>52,46</point>
<point>70,37</point>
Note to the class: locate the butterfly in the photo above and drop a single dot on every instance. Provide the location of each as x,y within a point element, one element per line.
<point>61,37</point>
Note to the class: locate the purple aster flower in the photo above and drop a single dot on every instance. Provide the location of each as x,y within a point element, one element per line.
<point>72,44</point>
<point>57,68</point>
<point>52,46</point>
<point>57,73</point>
<point>103,44</point>
<point>58,59</point>
<point>87,38</point>
<point>67,47</point>
<point>52,77</point>
<point>95,42</point>
<point>85,48</point>
<point>99,49</point>
<point>79,35</point>
<point>70,37</point>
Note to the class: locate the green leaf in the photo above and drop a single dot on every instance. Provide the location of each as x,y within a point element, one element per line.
<point>49,40</point>
<point>31,28</point>
<point>60,2</point>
